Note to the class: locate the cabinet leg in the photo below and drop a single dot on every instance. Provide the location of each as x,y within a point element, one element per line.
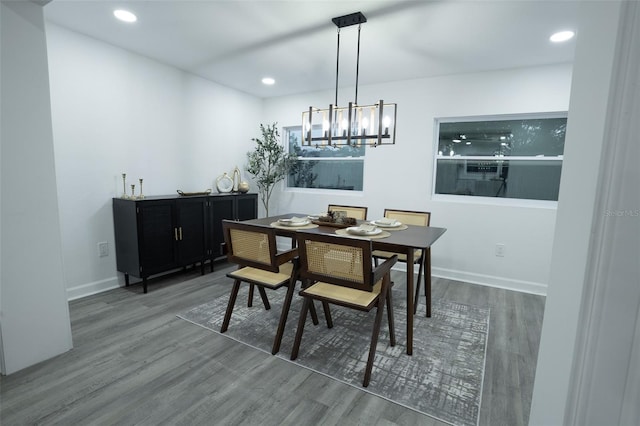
<point>211,260</point>
<point>126,280</point>
<point>202,267</point>
<point>144,285</point>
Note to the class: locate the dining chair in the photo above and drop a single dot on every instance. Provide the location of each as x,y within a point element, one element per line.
<point>338,270</point>
<point>253,249</point>
<point>352,211</point>
<point>408,217</point>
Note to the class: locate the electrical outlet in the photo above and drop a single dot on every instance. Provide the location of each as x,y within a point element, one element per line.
<point>500,250</point>
<point>103,249</point>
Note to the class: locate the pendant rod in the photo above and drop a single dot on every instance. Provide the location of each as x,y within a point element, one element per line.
<point>337,66</point>
<point>358,64</point>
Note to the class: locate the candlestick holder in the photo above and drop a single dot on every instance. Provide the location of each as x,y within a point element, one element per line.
<point>140,196</point>
<point>124,186</point>
<point>133,188</point>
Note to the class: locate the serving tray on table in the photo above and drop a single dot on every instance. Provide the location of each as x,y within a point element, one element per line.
<point>332,224</point>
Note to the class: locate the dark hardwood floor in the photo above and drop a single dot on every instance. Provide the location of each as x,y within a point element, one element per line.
<point>135,362</point>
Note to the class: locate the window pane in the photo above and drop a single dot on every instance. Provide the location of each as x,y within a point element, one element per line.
<point>527,137</point>
<point>320,151</point>
<point>325,167</point>
<point>524,179</point>
<point>331,174</point>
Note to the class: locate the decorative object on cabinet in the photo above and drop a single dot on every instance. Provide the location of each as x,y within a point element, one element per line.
<point>224,183</point>
<point>141,196</point>
<point>269,162</point>
<point>239,185</point>
<point>243,187</point>
<point>236,179</point>
<point>193,194</point>
<point>161,233</point>
<point>354,124</point>
<point>133,190</point>
<point>124,186</point>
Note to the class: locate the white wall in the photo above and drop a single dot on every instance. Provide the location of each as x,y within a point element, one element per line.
<point>34,314</point>
<point>116,112</point>
<point>401,176</point>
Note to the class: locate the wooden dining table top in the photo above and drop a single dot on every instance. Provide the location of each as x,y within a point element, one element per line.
<point>416,237</point>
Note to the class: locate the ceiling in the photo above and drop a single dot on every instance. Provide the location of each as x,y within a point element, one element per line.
<point>237,42</point>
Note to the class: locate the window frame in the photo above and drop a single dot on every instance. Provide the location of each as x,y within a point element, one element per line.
<point>498,201</point>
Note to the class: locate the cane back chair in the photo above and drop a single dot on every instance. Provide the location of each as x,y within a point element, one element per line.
<point>408,217</point>
<point>338,270</point>
<point>253,249</point>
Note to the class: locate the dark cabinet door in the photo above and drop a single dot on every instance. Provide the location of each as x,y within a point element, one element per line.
<point>246,207</point>
<point>221,208</point>
<point>157,237</point>
<point>191,218</point>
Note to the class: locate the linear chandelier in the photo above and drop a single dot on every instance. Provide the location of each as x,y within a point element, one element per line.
<point>352,125</point>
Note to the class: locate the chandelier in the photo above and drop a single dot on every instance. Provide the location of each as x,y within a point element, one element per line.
<point>351,125</point>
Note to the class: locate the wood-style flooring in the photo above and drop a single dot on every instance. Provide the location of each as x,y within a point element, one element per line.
<point>135,363</point>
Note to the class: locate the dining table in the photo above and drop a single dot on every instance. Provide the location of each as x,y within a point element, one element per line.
<point>406,240</point>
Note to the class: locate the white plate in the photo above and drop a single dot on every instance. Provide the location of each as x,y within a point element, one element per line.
<point>386,225</point>
<point>289,222</point>
<point>356,230</point>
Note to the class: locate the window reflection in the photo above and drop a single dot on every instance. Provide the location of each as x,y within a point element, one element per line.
<point>510,158</point>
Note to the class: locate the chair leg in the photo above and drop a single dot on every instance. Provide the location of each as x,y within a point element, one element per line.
<point>314,314</point>
<point>250,299</point>
<point>327,314</point>
<point>416,298</point>
<point>301,321</point>
<point>283,318</point>
<point>230,305</point>
<point>265,300</point>
<point>392,327</point>
<point>312,307</point>
<point>374,337</point>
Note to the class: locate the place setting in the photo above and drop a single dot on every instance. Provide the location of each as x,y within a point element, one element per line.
<point>389,224</point>
<point>295,222</point>
<point>364,230</point>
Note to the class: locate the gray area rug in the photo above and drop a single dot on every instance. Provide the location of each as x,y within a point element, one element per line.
<point>442,379</point>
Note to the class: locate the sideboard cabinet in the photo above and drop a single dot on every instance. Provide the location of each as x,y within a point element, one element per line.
<point>158,234</point>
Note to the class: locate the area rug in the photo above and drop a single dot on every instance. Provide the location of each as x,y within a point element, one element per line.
<point>442,379</point>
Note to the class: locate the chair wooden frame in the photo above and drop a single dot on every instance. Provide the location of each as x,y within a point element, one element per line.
<point>356,212</point>
<point>409,217</point>
<point>339,270</point>
<point>266,268</point>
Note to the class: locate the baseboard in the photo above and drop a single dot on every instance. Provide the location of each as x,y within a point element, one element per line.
<point>95,287</point>
<point>480,279</point>
<point>491,281</point>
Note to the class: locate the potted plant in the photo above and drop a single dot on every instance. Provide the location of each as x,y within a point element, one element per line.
<point>269,163</point>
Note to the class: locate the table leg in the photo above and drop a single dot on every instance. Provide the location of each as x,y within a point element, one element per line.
<point>410,302</point>
<point>427,280</point>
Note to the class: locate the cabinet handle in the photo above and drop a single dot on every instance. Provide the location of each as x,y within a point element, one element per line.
<point>175,233</point>
<point>180,233</point>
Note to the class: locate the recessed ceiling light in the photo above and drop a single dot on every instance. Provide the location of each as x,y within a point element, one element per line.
<point>268,81</point>
<point>125,15</point>
<point>562,36</point>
